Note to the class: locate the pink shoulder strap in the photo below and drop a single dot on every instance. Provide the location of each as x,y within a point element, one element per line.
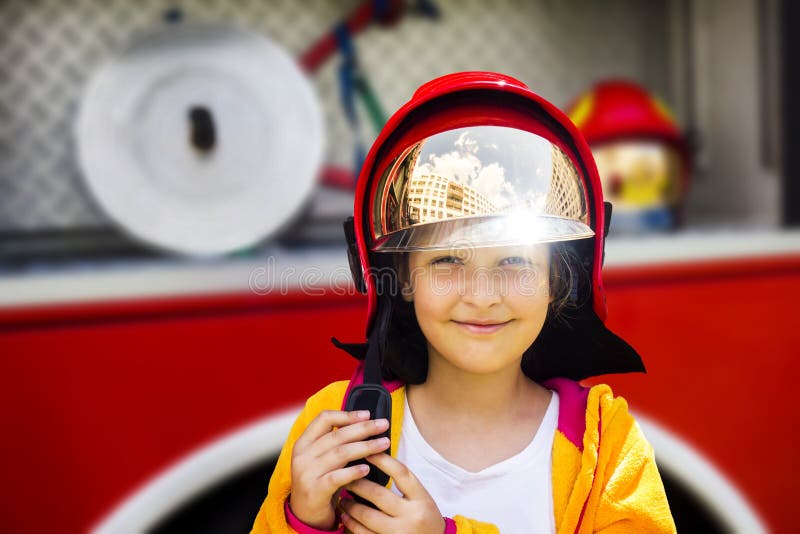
<point>572,408</point>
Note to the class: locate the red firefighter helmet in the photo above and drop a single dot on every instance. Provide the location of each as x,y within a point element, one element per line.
<point>447,109</point>
<point>643,159</point>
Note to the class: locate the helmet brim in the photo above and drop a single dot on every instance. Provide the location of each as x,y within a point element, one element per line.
<point>509,229</point>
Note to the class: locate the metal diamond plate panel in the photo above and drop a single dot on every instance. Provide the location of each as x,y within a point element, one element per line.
<point>49,49</point>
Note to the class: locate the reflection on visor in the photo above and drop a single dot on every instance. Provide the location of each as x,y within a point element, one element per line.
<point>479,186</point>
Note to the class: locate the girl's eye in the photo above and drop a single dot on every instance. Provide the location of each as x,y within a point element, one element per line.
<point>446,260</point>
<point>516,260</point>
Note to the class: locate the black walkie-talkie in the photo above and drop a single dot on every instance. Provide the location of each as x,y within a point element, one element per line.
<point>376,399</point>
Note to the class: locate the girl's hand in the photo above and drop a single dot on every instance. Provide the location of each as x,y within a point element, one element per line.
<point>414,512</point>
<point>319,457</point>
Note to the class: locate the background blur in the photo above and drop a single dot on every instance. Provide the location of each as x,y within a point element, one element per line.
<point>147,389</point>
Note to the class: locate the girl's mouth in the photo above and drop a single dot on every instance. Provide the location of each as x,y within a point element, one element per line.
<point>482,328</point>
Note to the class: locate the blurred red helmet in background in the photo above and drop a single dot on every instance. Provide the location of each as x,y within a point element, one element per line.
<point>642,157</point>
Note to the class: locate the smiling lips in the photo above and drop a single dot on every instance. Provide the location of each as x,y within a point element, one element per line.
<point>481,327</point>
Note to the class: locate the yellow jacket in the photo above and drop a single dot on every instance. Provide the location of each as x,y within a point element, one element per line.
<point>604,472</point>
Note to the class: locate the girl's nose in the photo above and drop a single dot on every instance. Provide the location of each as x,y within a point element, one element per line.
<point>482,287</point>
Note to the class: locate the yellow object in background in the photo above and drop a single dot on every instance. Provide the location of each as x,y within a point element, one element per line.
<point>638,175</point>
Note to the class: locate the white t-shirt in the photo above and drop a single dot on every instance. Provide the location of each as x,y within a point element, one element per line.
<point>516,494</point>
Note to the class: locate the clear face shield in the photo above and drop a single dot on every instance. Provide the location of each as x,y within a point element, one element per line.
<point>481,186</point>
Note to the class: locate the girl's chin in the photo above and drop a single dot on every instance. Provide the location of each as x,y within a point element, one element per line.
<point>481,362</point>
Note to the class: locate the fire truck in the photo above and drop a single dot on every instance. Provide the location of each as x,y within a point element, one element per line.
<point>158,401</point>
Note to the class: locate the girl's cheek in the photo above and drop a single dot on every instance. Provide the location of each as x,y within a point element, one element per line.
<point>530,282</point>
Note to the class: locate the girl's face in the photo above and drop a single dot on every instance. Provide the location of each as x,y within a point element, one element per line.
<point>480,309</point>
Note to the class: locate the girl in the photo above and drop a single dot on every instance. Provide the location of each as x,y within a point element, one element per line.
<point>478,237</point>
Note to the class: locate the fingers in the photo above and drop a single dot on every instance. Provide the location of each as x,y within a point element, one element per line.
<point>325,421</point>
<point>346,453</point>
<point>359,431</point>
<point>383,498</point>
<point>321,454</point>
<point>414,512</point>
<point>352,525</point>
<point>308,468</point>
<point>328,472</point>
<point>338,478</point>
<point>403,478</point>
<point>363,517</point>
<point>313,491</point>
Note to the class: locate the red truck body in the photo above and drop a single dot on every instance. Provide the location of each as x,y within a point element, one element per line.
<point>99,398</point>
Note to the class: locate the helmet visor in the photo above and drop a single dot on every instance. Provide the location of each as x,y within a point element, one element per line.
<point>478,187</point>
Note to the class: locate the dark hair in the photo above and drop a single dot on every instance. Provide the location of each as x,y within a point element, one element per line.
<point>405,355</point>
